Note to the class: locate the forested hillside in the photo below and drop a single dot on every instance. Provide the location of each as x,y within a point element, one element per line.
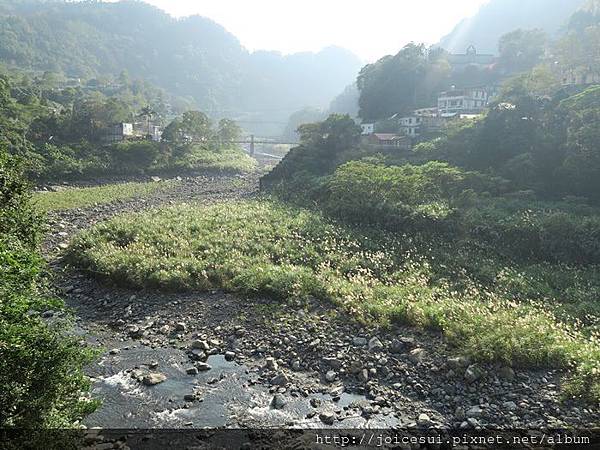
<point>498,17</point>
<point>191,57</point>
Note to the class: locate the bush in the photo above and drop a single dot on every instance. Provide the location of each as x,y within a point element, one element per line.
<point>537,231</point>
<point>399,196</point>
<point>134,156</point>
<point>41,376</point>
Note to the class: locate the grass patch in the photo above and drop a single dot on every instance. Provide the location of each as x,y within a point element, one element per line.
<point>266,248</point>
<point>84,197</point>
<point>226,159</point>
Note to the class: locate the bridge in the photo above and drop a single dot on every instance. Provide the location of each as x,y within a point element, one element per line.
<point>252,141</point>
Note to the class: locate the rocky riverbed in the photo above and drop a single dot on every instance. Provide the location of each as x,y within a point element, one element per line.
<point>219,360</point>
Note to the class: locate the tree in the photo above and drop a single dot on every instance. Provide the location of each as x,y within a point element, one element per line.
<point>229,131</point>
<point>336,134</point>
<point>148,114</point>
<point>193,126</point>
<point>521,50</point>
<point>323,146</point>
<point>306,115</point>
<point>582,158</point>
<point>401,83</point>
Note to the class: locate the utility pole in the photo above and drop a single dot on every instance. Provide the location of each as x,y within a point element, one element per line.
<point>251,145</point>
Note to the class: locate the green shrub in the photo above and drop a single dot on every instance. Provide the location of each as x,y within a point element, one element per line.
<point>552,232</point>
<point>41,376</point>
<point>400,196</point>
<point>134,156</point>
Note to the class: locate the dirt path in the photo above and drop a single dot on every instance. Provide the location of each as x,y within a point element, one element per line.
<point>214,359</point>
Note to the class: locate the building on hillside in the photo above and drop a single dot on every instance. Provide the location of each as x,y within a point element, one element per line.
<point>421,121</point>
<point>156,133</point>
<point>144,130</point>
<point>119,132</point>
<point>367,128</point>
<point>410,125</point>
<point>459,62</point>
<point>389,141</point>
<point>463,101</point>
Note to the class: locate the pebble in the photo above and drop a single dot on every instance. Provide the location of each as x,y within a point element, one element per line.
<point>423,420</point>
<point>375,345</point>
<point>474,411</point>
<point>510,406</point>
<point>334,363</point>
<point>271,364</point>
<point>327,417</point>
<point>199,345</point>
<point>473,373</point>
<point>360,341</point>
<point>278,401</point>
<point>397,346</point>
<point>363,375</point>
<point>203,367</point>
<point>279,380</point>
<point>416,355</point>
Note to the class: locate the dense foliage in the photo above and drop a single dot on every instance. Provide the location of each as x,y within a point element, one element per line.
<point>41,377</point>
<point>401,83</point>
<point>65,133</point>
<point>550,145</point>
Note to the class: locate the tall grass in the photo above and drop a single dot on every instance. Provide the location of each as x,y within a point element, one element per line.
<point>84,197</point>
<point>266,248</point>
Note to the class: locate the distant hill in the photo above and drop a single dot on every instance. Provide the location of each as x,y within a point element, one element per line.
<point>192,57</point>
<point>498,17</point>
<point>587,15</point>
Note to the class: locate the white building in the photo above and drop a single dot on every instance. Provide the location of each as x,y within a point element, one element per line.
<point>367,128</point>
<point>156,133</point>
<point>410,125</point>
<point>119,132</point>
<point>463,101</point>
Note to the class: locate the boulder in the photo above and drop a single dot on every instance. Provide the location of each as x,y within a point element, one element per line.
<point>153,379</point>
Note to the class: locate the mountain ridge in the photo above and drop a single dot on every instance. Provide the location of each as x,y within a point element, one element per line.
<point>498,17</point>
<point>191,57</point>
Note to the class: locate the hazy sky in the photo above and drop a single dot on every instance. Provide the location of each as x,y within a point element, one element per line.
<point>370,28</point>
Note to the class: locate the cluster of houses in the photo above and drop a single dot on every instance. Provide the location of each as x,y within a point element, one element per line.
<point>131,131</point>
<point>467,103</point>
<point>463,103</point>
